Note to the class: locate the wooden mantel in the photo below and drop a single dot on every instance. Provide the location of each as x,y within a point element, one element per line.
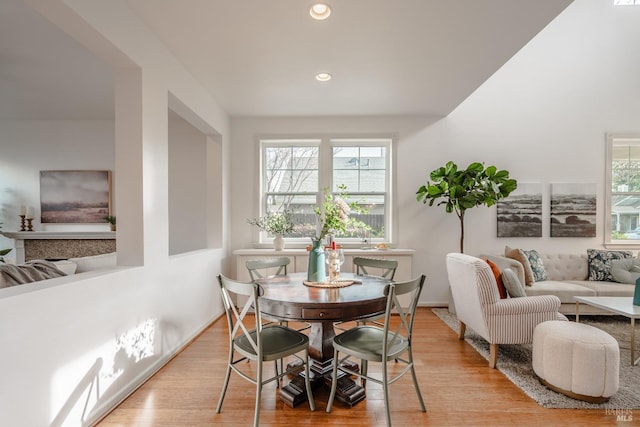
<point>60,244</point>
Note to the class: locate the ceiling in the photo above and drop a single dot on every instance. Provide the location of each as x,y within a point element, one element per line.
<point>259,58</point>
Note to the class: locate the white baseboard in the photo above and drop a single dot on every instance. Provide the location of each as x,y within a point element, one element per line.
<point>433,304</point>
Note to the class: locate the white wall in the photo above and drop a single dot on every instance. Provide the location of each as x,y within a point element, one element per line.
<point>543,117</point>
<point>62,335</point>
<point>187,187</point>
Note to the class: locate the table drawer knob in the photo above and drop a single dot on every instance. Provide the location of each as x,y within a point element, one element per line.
<point>322,313</point>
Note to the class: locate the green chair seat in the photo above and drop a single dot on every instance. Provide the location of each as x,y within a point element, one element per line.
<point>365,343</point>
<point>277,342</point>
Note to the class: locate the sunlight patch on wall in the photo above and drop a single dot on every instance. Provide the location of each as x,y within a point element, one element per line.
<point>84,384</point>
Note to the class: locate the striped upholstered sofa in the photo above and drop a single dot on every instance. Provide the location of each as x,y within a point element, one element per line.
<point>479,306</point>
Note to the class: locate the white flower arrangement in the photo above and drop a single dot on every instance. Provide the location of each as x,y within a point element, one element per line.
<point>274,222</point>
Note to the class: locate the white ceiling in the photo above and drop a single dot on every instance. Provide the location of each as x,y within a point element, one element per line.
<point>258,57</point>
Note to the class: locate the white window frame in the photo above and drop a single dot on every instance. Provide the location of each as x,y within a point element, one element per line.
<point>326,143</point>
<point>613,139</point>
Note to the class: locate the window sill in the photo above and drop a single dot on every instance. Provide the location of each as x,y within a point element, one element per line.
<point>635,244</point>
<point>302,251</point>
<point>344,245</point>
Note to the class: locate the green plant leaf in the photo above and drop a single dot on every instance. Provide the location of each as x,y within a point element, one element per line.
<point>434,191</point>
<point>450,168</point>
<point>449,207</point>
<point>475,167</point>
<point>503,174</point>
<point>508,187</point>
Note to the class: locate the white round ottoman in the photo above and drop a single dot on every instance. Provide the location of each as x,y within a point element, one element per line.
<point>575,359</point>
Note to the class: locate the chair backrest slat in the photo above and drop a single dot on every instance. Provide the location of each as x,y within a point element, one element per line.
<point>237,320</point>
<point>404,330</point>
<point>388,266</point>
<point>258,268</point>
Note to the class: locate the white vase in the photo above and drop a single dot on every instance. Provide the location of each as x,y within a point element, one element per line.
<point>278,242</point>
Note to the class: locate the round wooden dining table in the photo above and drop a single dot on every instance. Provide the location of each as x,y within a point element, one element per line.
<point>289,298</point>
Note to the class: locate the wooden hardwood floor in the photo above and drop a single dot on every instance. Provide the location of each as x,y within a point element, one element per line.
<point>457,385</point>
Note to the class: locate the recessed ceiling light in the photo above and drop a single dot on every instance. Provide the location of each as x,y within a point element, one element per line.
<point>323,77</point>
<point>320,11</point>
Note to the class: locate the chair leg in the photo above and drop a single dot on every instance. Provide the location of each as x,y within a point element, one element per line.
<point>415,381</point>
<point>363,370</point>
<point>462,330</point>
<point>307,381</point>
<point>334,380</point>
<point>226,382</point>
<point>256,414</point>
<point>493,355</point>
<point>385,390</point>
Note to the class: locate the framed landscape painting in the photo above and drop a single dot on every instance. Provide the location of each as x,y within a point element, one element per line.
<point>71,197</point>
<point>520,214</point>
<point>573,210</point>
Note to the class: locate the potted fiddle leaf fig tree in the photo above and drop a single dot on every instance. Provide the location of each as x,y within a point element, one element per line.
<point>462,189</point>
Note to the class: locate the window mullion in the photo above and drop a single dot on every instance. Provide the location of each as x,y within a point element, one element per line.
<point>325,167</point>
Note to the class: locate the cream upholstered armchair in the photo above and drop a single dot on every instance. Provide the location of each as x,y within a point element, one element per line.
<point>499,321</point>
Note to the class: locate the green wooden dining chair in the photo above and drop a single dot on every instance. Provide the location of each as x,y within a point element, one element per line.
<point>259,268</point>
<point>252,340</point>
<point>371,343</point>
<point>385,267</point>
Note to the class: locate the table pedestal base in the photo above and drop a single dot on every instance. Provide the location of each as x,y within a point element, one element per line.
<point>348,391</point>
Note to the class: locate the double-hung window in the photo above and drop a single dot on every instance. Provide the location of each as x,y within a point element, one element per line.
<point>295,173</point>
<point>623,189</point>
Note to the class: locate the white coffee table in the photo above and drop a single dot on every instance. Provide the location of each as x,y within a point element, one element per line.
<point>619,305</point>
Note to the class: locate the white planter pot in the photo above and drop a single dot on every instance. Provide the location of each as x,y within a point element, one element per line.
<point>278,242</point>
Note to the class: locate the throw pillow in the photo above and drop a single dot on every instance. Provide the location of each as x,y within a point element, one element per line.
<point>94,262</point>
<point>67,267</point>
<point>537,267</point>
<point>514,287</point>
<point>600,263</point>
<point>496,273</point>
<point>520,256</point>
<point>625,270</point>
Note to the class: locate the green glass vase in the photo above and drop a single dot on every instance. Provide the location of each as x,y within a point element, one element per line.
<point>636,293</point>
<point>316,270</point>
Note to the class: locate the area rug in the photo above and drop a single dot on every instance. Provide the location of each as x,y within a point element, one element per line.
<point>514,361</point>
